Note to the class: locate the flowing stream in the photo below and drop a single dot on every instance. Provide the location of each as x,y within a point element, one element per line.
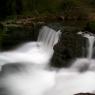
<point>78,78</point>
<point>25,71</point>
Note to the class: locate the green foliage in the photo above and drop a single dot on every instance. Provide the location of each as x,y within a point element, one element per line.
<point>16,7</point>
<point>40,7</point>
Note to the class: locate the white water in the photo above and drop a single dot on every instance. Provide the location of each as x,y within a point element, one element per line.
<point>33,80</point>
<point>91,43</point>
<point>80,77</point>
<point>28,82</point>
<point>39,52</point>
<point>48,36</point>
<point>91,40</point>
<point>30,76</point>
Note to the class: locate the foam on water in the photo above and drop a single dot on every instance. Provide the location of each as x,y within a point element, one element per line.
<point>39,52</point>
<point>21,73</point>
<point>80,77</point>
<point>71,83</point>
<point>31,82</point>
<point>28,79</point>
<point>35,53</point>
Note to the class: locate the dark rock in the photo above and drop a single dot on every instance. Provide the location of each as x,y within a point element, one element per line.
<point>69,47</point>
<point>17,35</point>
<point>84,94</point>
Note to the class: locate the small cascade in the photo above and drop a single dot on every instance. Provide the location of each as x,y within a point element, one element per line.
<point>31,78</point>
<point>48,36</point>
<point>84,64</point>
<point>79,78</point>
<point>91,40</point>
<point>39,52</point>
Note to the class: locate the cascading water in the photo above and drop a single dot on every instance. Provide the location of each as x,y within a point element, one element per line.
<point>91,43</point>
<point>28,79</point>
<point>91,40</point>
<point>78,78</point>
<point>38,52</point>
<point>83,64</point>
<point>21,72</point>
<point>48,36</point>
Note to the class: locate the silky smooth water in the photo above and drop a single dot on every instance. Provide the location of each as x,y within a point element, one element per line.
<point>78,78</point>
<point>23,70</point>
<point>91,39</point>
<point>39,52</point>
<point>29,78</point>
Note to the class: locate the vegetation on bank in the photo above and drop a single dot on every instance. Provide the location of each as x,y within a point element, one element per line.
<point>25,15</point>
<point>71,9</point>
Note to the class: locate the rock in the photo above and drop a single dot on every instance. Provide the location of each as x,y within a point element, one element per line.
<point>84,94</point>
<point>69,47</point>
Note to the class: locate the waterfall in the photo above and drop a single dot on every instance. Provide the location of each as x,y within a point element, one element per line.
<point>33,80</point>
<point>79,77</point>
<point>23,71</point>
<point>84,64</point>
<point>91,40</point>
<point>39,52</point>
<point>48,36</point>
